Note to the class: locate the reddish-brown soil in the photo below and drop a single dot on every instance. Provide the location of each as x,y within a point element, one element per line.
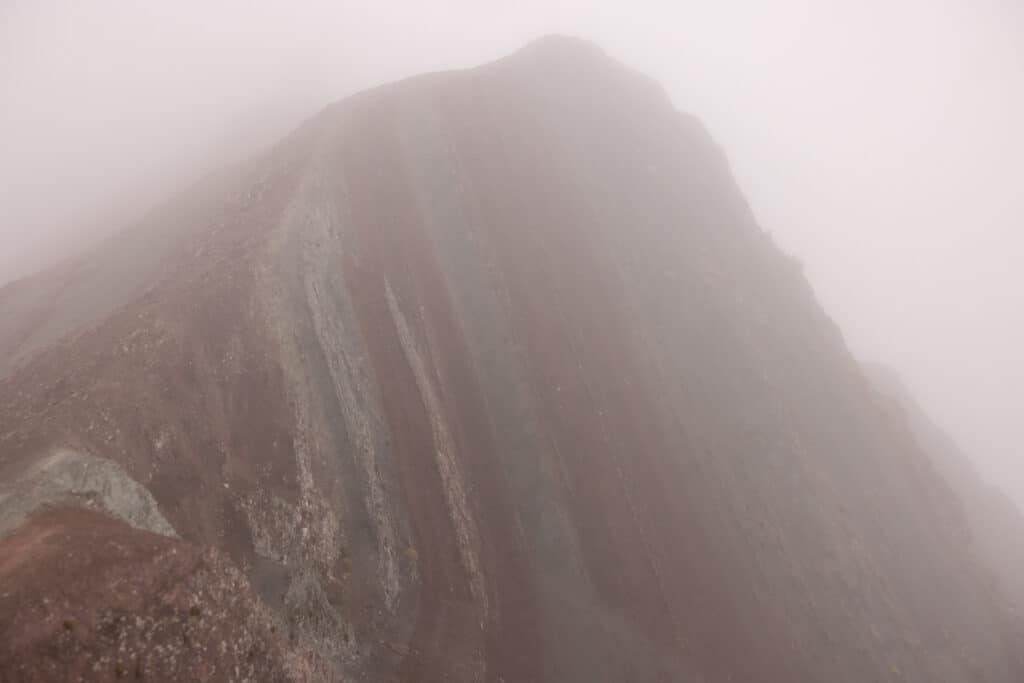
<point>87,598</point>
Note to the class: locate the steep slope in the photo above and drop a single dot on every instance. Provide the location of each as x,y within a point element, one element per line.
<point>491,375</point>
<point>995,521</point>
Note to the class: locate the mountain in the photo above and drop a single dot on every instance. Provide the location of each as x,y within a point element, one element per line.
<point>994,519</point>
<point>484,376</point>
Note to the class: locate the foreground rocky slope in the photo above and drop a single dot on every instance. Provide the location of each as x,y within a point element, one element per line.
<point>87,598</point>
<point>491,375</point>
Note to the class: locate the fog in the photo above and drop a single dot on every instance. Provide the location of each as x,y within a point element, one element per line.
<point>879,142</point>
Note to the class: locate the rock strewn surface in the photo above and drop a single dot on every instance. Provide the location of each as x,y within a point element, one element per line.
<point>87,598</point>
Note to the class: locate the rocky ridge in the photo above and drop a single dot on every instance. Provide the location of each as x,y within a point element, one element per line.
<point>490,375</point>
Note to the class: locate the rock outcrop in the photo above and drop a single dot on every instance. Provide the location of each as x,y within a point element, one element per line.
<point>492,376</point>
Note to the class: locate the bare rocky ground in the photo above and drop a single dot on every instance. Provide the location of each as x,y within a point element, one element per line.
<point>87,598</point>
<point>481,376</point>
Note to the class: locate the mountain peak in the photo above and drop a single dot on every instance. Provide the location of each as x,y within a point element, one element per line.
<point>562,46</point>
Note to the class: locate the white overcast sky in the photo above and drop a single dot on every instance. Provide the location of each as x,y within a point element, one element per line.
<point>880,141</point>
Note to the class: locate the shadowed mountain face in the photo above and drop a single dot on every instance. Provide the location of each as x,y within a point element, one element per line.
<point>492,376</point>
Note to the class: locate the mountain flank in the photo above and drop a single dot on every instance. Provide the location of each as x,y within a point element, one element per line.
<point>486,375</point>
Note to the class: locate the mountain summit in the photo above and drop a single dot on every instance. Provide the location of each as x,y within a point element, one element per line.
<point>487,375</point>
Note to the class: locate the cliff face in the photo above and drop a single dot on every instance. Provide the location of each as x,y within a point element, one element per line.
<point>491,375</point>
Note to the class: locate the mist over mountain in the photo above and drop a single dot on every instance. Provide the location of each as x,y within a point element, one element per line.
<point>485,375</point>
<point>877,141</point>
